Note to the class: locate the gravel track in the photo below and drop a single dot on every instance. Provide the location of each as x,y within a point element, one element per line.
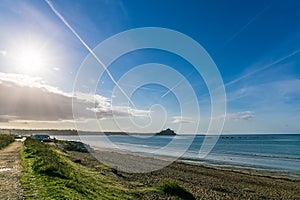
<point>11,172</point>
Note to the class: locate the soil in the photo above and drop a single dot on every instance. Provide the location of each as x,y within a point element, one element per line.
<point>11,172</point>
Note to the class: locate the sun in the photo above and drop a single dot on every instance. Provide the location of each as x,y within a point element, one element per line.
<point>30,60</point>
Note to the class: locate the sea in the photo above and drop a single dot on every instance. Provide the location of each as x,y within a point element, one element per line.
<point>275,153</point>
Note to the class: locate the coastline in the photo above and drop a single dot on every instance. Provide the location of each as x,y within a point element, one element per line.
<point>133,159</point>
<point>251,169</point>
<point>206,182</point>
<point>202,182</point>
<point>277,164</point>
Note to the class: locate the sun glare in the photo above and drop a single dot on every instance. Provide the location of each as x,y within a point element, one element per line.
<point>30,60</point>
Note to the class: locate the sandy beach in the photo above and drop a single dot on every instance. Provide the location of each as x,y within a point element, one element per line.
<point>202,181</point>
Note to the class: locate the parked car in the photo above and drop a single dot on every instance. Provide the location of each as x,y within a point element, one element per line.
<point>42,137</point>
<point>18,136</point>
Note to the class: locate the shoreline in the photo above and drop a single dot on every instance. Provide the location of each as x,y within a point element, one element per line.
<point>242,167</point>
<point>204,182</point>
<point>260,167</point>
<point>248,171</point>
<point>215,164</point>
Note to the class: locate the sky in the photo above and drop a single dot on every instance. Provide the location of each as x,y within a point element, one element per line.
<point>45,47</point>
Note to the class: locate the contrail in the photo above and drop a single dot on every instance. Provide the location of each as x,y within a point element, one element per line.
<point>254,72</point>
<point>227,41</point>
<point>175,86</point>
<point>141,88</point>
<point>246,25</point>
<point>263,68</point>
<point>87,47</point>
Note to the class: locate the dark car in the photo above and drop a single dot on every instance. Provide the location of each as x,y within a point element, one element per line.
<point>42,138</point>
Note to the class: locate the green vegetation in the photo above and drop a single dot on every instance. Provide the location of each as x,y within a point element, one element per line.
<point>54,173</point>
<point>49,174</point>
<point>174,190</point>
<point>5,140</point>
<point>72,146</point>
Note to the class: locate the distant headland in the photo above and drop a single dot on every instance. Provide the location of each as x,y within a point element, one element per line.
<point>70,132</point>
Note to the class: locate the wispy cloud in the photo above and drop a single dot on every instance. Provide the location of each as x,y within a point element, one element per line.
<point>181,120</point>
<point>267,94</point>
<point>242,77</point>
<point>244,115</point>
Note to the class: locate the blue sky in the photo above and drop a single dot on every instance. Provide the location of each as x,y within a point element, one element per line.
<point>254,44</point>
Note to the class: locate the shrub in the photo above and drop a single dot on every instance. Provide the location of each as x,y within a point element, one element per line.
<point>5,140</point>
<point>173,189</point>
<point>73,146</point>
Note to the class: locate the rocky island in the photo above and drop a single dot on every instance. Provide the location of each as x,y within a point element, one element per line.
<point>166,132</point>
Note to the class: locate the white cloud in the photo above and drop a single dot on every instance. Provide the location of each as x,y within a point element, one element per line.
<point>28,98</point>
<point>245,115</point>
<point>117,111</point>
<point>272,94</point>
<point>181,120</point>
<point>27,81</point>
<point>101,106</point>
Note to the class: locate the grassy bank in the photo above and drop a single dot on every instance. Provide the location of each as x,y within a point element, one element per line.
<point>5,140</point>
<point>50,173</point>
<point>65,171</point>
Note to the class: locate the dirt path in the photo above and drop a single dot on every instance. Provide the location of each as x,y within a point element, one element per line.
<point>10,172</point>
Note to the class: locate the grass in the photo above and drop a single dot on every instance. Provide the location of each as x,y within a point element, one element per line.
<point>5,140</point>
<point>50,174</point>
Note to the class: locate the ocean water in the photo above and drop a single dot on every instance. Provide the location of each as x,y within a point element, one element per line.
<point>267,152</point>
